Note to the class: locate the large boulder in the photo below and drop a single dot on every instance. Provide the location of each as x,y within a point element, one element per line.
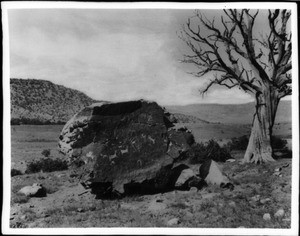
<point>125,147</point>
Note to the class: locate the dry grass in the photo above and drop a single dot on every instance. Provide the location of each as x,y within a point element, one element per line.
<point>211,207</point>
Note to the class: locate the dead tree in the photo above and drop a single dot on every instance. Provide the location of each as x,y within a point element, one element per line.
<point>237,56</point>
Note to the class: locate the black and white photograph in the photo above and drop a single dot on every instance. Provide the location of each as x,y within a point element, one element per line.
<point>150,118</point>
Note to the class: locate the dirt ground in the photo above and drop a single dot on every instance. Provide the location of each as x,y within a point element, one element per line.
<point>259,190</point>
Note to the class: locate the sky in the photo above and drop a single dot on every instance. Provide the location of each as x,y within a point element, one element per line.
<point>111,54</point>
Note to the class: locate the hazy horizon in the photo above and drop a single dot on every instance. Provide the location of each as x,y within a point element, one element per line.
<point>285,99</point>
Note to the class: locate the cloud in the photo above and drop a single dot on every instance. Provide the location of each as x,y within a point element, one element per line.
<point>109,55</point>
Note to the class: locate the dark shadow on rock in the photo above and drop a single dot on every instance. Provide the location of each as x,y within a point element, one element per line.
<point>197,182</point>
<point>117,108</point>
<point>229,186</point>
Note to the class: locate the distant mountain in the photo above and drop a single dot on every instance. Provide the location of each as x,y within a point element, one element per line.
<point>228,113</point>
<point>182,118</point>
<point>40,102</point>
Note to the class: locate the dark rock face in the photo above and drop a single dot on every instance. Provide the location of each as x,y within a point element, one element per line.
<point>127,147</point>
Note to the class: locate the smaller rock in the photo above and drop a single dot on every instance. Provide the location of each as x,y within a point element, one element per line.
<point>267,217</point>
<point>11,218</point>
<point>184,177</point>
<point>255,198</point>
<point>80,210</point>
<point>159,200</point>
<point>230,160</point>
<point>277,173</point>
<point>23,217</point>
<point>92,208</point>
<point>286,165</point>
<point>45,215</point>
<point>174,221</point>
<point>232,204</point>
<point>193,190</point>
<point>31,206</point>
<point>263,201</point>
<point>229,186</point>
<point>36,190</point>
<point>81,193</point>
<point>279,213</point>
<point>278,169</point>
<point>189,215</point>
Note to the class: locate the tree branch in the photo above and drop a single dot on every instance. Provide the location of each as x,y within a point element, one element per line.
<point>251,64</point>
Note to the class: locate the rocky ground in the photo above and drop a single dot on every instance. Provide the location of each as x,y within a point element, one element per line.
<point>261,199</point>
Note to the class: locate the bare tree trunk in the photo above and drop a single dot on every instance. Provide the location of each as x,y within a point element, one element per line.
<point>259,148</point>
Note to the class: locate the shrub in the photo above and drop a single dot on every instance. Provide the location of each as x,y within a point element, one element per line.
<point>78,162</point>
<point>46,152</point>
<point>278,143</point>
<point>19,198</point>
<point>241,143</point>
<point>217,153</point>
<point>200,152</point>
<point>15,172</point>
<point>46,165</point>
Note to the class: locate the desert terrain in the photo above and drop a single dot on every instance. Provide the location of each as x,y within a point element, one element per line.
<point>261,191</point>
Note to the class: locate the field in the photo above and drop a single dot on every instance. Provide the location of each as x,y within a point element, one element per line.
<point>28,142</point>
<point>257,191</point>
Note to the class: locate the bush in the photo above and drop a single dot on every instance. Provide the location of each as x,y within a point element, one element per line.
<point>278,143</point>
<point>46,165</point>
<point>241,143</point>
<point>200,152</point>
<point>19,198</point>
<point>46,152</point>
<point>15,172</point>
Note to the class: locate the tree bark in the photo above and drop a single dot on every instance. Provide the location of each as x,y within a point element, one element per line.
<point>259,148</point>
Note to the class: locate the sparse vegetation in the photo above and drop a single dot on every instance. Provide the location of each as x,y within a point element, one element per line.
<point>241,143</point>
<point>19,198</point>
<point>45,102</point>
<point>46,152</point>
<point>34,121</point>
<point>46,165</point>
<point>15,172</point>
<point>200,152</point>
<point>209,207</point>
<point>278,143</point>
